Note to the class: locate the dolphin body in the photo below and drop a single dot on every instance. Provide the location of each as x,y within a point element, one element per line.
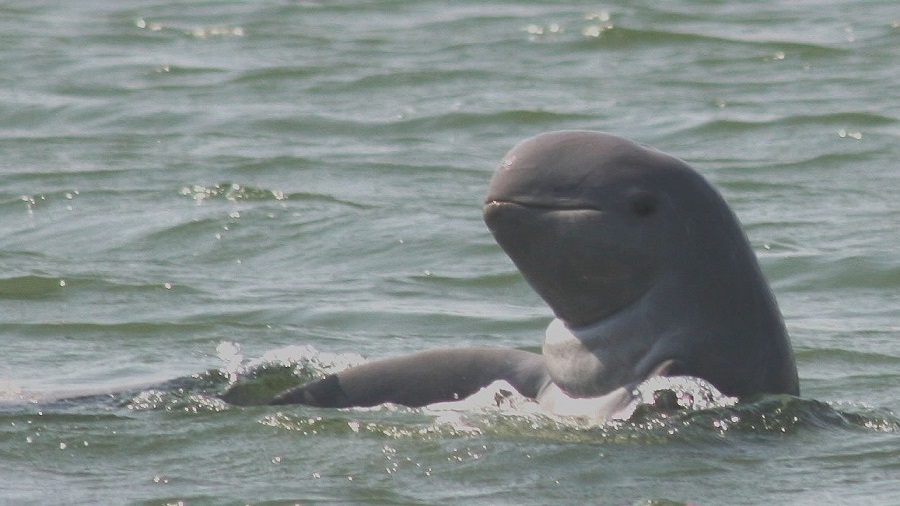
<point>644,265</point>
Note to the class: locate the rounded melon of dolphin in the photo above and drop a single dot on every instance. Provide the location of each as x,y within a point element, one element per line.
<point>644,265</point>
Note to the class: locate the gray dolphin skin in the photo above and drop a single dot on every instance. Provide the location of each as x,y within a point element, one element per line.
<point>645,267</point>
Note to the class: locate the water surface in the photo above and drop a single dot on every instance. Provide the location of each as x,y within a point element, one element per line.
<point>190,190</point>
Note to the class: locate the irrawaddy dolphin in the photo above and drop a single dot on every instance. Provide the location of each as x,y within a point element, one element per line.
<point>645,267</point>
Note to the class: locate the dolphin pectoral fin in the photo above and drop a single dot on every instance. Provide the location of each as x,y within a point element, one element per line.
<point>423,378</point>
<point>323,393</point>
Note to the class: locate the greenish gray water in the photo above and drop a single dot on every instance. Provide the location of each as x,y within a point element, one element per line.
<point>176,177</point>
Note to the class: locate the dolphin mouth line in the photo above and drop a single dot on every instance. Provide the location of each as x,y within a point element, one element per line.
<point>541,205</point>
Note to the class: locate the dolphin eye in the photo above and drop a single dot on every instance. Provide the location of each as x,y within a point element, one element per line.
<point>643,203</point>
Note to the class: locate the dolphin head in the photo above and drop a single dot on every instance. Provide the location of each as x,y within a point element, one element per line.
<point>644,265</point>
<point>585,217</point>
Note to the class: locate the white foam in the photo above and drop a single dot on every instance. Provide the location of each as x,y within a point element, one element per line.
<point>500,397</point>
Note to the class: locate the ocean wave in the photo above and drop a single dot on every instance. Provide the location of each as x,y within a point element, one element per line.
<point>838,121</point>
<point>668,411</point>
<point>31,287</point>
